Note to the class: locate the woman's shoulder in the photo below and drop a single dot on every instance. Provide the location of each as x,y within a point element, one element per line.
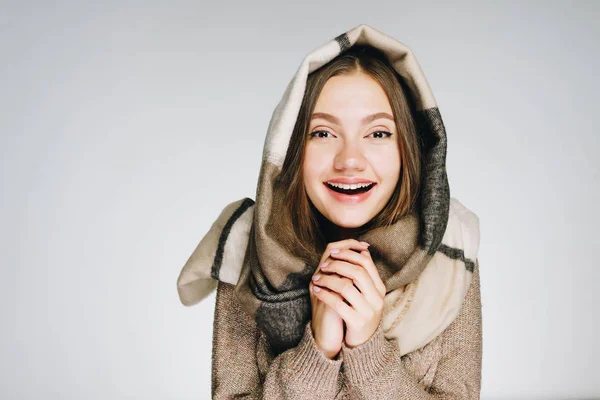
<point>228,306</point>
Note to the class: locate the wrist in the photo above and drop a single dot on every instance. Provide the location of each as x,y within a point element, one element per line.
<point>330,354</point>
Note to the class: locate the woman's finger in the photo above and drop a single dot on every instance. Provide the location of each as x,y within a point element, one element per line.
<point>364,260</point>
<point>336,302</point>
<point>359,276</point>
<point>375,274</point>
<point>345,287</point>
<point>351,244</point>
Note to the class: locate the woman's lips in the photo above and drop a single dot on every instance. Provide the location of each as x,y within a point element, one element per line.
<point>349,198</point>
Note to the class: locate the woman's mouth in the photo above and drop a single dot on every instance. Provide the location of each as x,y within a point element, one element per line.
<point>350,194</point>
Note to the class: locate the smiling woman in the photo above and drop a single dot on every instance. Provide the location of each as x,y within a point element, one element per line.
<point>361,129</point>
<point>351,152</point>
<point>353,274</point>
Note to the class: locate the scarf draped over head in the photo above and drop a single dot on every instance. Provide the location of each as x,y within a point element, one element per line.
<point>425,259</point>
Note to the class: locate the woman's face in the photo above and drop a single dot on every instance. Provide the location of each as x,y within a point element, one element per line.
<point>349,142</point>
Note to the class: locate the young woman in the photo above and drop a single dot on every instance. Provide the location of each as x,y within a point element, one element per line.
<point>354,274</point>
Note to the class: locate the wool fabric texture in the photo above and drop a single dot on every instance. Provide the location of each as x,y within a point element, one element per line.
<point>427,260</point>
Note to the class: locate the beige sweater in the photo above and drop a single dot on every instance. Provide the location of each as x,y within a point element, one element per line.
<point>449,367</point>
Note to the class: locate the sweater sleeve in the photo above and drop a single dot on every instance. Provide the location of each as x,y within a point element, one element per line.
<point>302,372</point>
<point>374,370</point>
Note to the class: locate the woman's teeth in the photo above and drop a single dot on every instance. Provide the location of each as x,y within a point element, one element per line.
<point>350,188</point>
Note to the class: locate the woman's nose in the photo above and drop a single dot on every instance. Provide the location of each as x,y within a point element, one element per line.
<point>350,156</point>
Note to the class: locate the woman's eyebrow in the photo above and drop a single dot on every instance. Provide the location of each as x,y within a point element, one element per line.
<point>366,120</point>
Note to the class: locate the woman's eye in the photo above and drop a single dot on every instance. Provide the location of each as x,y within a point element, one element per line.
<point>321,134</point>
<point>381,134</point>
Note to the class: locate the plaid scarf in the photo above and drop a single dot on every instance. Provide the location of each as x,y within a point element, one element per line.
<point>425,259</point>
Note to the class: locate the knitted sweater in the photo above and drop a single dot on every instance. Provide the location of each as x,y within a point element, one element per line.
<point>449,367</point>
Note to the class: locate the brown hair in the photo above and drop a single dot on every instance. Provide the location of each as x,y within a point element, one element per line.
<point>304,220</point>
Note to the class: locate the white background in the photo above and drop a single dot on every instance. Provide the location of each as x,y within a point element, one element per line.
<point>127,127</point>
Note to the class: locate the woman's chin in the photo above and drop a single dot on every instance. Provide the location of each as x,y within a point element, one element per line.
<point>348,221</point>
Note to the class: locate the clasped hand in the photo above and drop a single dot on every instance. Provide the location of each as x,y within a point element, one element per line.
<point>348,282</point>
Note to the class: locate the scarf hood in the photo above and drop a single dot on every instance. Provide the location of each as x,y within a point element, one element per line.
<point>426,259</point>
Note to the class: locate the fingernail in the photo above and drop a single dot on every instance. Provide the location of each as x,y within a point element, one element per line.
<point>365,243</point>
<point>316,277</point>
<point>334,251</point>
<point>316,288</point>
<point>323,265</point>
